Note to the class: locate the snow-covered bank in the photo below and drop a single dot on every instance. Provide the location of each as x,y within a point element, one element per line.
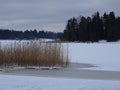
<point>105,55</point>
<point>9,42</point>
<point>12,82</point>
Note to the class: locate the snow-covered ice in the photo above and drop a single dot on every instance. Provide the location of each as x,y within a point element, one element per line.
<point>12,82</point>
<point>105,55</point>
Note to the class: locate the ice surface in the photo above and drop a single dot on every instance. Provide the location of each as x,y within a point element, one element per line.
<point>12,82</point>
<point>103,54</point>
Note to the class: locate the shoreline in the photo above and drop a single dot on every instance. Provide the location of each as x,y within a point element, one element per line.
<point>69,72</point>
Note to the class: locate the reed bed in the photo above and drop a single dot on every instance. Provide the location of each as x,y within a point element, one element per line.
<point>33,53</point>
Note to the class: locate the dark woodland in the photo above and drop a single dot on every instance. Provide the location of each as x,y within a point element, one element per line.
<point>28,34</point>
<point>81,29</point>
<point>93,29</point>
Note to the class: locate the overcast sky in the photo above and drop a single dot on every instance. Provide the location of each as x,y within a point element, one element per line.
<point>49,14</point>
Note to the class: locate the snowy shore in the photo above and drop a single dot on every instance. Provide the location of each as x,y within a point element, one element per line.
<point>13,82</point>
<point>95,66</point>
<point>74,71</point>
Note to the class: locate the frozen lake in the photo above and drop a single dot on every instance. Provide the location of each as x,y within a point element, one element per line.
<point>103,55</point>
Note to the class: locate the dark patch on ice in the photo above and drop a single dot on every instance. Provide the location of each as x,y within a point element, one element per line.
<point>81,65</point>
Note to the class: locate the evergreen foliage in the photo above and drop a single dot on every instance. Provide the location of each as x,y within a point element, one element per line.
<point>32,34</point>
<point>93,29</point>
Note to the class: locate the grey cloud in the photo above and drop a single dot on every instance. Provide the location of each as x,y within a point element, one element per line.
<point>40,14</point>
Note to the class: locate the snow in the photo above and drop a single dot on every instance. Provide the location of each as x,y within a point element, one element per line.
<point>104,55</point>
<point>9,42</point>
<point>12,82</point>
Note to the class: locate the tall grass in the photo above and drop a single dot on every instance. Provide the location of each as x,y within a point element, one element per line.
<point>33,53</point>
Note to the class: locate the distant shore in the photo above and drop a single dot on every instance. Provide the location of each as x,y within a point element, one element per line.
<point>73,71</point>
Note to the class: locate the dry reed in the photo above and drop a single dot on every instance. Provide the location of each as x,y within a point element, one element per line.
<point>33,53</point>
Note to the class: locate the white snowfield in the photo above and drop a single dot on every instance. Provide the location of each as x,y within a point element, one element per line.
<point>11,82</point>
<point>106,56</point>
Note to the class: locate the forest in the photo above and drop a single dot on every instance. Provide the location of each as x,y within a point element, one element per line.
<point>28,34</point>
<point>94,28</point>
<point>82,29</point>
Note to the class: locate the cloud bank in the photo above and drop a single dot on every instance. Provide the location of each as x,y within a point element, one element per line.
<point>49,14</point>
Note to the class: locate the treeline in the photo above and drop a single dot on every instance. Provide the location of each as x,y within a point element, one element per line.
<point>93,29</point>
<point>32,34</point>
